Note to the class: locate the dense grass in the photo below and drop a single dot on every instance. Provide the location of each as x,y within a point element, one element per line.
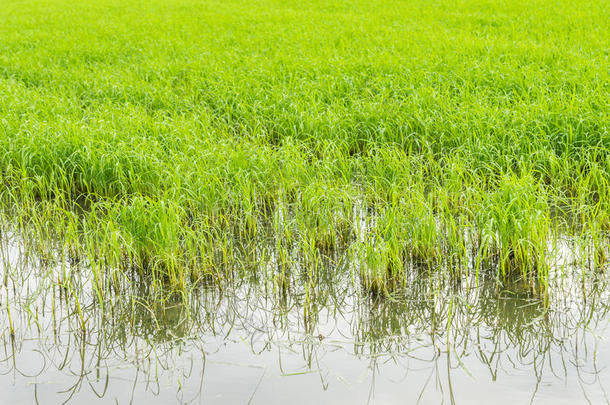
<point>168,135</point>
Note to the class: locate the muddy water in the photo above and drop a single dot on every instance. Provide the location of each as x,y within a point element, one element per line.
<point>252,342</point>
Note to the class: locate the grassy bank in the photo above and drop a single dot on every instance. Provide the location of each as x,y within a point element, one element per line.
<point>178,137</point>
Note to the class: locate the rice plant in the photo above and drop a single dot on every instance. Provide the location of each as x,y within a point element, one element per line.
<point>158,137</point>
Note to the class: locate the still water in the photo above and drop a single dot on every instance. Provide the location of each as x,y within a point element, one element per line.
<point>322,341</point>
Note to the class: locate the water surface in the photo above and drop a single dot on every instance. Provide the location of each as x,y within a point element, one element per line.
<point>252,340</point>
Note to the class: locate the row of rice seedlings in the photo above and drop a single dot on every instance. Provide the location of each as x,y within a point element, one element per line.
<point>292,277</point>
<point>508,231</point>
<point>441,219</point>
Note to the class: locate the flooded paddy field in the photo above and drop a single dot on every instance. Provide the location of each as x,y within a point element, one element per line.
<point>380,201</point>
<point>248,341</point>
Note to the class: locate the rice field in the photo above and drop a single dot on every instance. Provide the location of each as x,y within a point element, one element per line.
<point>157,134</point>
<point>189,144</point>
<point>326,343</point>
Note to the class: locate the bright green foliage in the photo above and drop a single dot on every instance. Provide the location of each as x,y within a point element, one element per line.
<point>173,133</point>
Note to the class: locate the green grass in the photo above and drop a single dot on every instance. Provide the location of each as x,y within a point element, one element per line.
<point>169,135</point>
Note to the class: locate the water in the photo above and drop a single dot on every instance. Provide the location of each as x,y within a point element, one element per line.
<point>250,341</point>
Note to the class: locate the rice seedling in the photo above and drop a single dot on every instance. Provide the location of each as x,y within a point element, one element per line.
<point>168,133</point>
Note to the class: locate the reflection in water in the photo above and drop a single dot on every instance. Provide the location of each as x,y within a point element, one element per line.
<point>256,340</point>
